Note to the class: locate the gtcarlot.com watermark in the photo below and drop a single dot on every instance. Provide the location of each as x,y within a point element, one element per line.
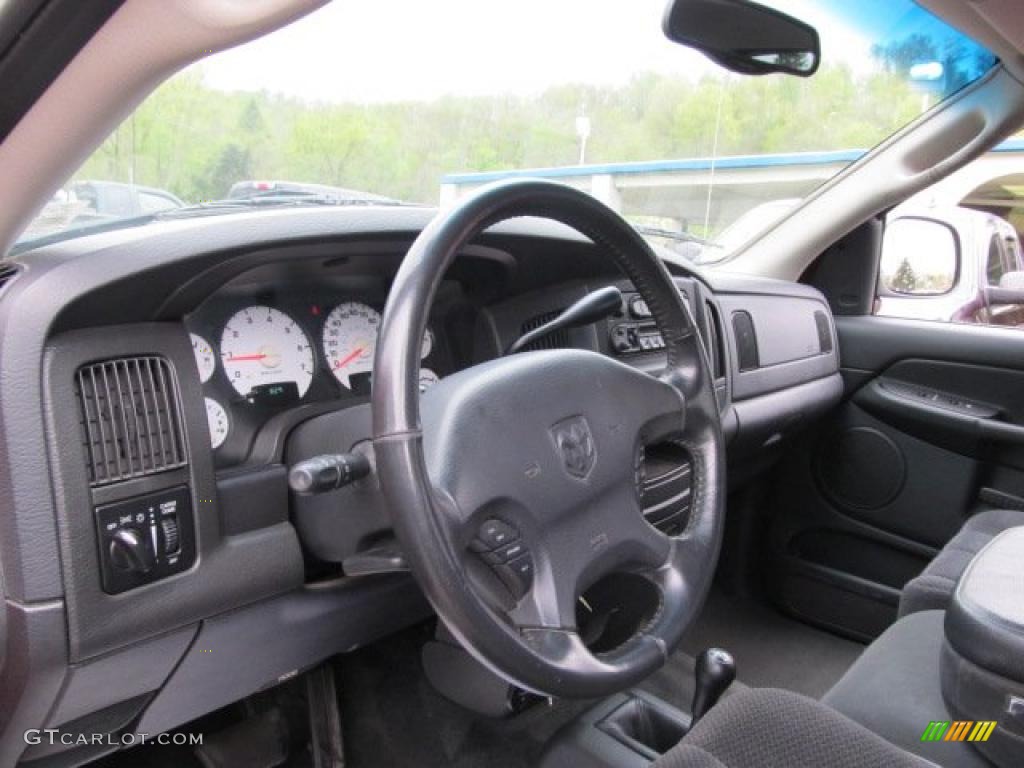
<point>52,736</point>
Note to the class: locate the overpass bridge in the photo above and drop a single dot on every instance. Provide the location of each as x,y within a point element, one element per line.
<point>686,194</point>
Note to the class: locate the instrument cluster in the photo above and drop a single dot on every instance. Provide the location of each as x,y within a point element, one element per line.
<point>255,359</point>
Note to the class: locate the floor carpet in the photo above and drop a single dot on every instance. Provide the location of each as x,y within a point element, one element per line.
<point>771,650</point>
<point>393,718</point>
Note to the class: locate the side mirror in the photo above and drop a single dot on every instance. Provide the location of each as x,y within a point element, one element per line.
<point>744,36</point>
<point>920,257</point>
<point>1009,291</point>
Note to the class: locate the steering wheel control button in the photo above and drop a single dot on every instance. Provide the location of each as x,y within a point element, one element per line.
<point>516,575</point>
<point>507,552</point>
<point>145,538</point>
<point>493,533</point>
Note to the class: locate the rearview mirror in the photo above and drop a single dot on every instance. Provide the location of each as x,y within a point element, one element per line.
<point>744,36</point>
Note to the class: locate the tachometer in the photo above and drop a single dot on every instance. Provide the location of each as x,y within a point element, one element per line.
<point>262,345</point>
<point>350,340</point>
<point>205,360</point>
<point>217,420</point>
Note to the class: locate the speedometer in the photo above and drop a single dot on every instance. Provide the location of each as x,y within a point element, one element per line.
<point>262,345</point>
<point>350,340</point>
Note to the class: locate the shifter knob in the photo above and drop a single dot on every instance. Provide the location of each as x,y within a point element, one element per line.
<point>715,670</point>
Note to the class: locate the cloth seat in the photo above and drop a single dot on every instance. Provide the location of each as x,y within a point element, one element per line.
<point>894,689</point>
<point>770,728</point>
<point>933,588</point>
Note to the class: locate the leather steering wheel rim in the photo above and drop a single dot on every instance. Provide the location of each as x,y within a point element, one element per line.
<point>432,469</point>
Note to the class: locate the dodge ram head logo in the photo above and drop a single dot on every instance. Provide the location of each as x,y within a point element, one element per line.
<point>575,444</point>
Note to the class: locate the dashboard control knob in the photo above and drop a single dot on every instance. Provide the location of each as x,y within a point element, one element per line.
<point>128,551</point>
<point>172,543</point>
<point>328,473</point>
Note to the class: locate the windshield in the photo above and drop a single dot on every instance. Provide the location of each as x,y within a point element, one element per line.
<point>411,102</point>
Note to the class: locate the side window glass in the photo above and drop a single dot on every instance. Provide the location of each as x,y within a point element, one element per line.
<point>952,253</point>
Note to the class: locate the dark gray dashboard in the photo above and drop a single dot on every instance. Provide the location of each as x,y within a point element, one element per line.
<point>265,587</point>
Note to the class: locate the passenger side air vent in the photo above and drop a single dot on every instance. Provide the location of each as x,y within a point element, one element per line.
<point>713,339</point>
<point>131,418</point>
<point>556,340</point>
<point>746,341</point>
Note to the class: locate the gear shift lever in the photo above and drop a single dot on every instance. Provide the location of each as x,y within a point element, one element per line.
<point>715,670</point>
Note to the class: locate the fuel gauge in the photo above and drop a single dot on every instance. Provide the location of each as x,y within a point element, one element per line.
<point>206,361</point>
<point>217,420</point>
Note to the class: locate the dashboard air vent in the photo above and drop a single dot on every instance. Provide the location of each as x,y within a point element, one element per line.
<point>556,340</point>
<point>666,487</point>
<point>131,418</point>
<point>746,341</point>
<point>716,350</point>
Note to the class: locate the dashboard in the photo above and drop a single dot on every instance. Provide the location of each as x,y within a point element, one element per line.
<point>163,378</point>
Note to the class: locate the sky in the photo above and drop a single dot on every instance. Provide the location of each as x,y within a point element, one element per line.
<point>368,51</point>
<point>419,53</point>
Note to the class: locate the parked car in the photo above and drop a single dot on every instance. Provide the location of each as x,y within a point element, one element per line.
<point>83,203</point>
<point>115,199</point>
<point>250,189</point>
<point>952,264</point>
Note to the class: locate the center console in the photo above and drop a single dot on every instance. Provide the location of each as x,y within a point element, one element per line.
<point>634,729</point>
<point>628,730</point>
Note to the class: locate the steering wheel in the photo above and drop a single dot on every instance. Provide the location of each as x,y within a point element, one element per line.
<point>513,484</point>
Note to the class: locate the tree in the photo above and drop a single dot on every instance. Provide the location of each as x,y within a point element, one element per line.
<point>323,140</point>
<point>251,120</point>
<point>904,279</point>
<point>196,141</point>
<point>233,164</point>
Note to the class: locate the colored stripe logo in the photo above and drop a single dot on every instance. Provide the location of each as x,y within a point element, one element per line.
<point>958,730</point>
